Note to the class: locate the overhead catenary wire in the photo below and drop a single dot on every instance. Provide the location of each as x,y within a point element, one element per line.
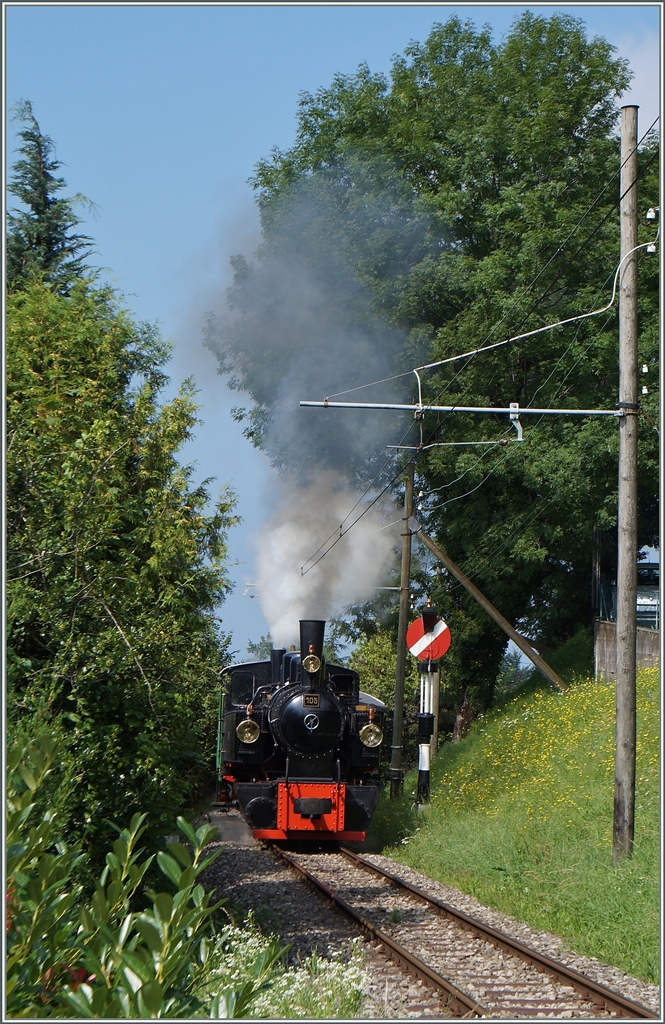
<point>339,530</point>
<point>475,571</point>
<point>540,273</point>
<point>343,533</point>
<point>559,250</point>
<point>339,534</point>
<point>473,489</point>
<point>564,354</point>
<point>517,337</point>
<point>524,525</point>
<point>577,333</point>
<point>565,322</point>
<point>488,558</point>
<point>450,383</point>
<point>489,474</point>
<point>513,533</point>
<point>451,483</point>
<point>567,350</point>
<point>578,318</point>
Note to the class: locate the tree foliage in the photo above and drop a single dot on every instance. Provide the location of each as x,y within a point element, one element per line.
<point>126,951</point>
<point>115,566</point>
<point>40,240</point>
<point>473,197</point>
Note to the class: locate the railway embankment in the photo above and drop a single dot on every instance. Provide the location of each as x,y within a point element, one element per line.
<point>520,819</point>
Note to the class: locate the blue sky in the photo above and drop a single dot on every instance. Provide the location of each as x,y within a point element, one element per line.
<point>161,112</point>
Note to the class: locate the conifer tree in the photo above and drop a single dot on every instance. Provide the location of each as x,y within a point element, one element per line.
<point>40,240</point>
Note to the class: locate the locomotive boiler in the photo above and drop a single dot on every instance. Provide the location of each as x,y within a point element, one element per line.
<point>299,744</point>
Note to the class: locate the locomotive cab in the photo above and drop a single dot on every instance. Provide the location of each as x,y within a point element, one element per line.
<point>299,744</point>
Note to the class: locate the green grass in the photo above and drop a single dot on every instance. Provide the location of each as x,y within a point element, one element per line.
<point>521,818</point>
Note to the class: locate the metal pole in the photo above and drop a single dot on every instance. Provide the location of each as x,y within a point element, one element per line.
<point>508,410</point>
<point>436,685</point>
<point>518,640</point>
<point>624,763</point>
<point>424,734</point>
<point>396,772</point>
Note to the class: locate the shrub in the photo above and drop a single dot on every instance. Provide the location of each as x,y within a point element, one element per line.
<point>116,565</point>
<point>69,956</point>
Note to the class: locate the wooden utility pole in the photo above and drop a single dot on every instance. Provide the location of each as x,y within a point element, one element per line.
<point>624,762</point>
<point>396,771</point>
<point>518,640</point>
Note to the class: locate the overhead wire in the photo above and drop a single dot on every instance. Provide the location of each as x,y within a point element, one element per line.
<point>570,346</point>
<point>338,534</point>
<point>559,250</point>
<point>547,291</point>
<point>472,573</point>
<point>570,369</point>
<point>518,528</point>
<point>466,494</point>
<point>339,529</point>
<point>489,474</point>
<point>568,372</point>
<point>343,533</point>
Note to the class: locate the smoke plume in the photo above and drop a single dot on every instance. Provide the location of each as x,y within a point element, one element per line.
<point>304,519</point>
<point>302,322</point>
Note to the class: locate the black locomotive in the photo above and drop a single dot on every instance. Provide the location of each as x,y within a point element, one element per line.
<point>299,744</point>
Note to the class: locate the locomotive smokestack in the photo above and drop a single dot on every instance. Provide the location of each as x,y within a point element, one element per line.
<point>311,644</point>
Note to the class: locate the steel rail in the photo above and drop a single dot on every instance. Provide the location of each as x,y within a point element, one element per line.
<point>458,1000</point>
<point>605,997</point>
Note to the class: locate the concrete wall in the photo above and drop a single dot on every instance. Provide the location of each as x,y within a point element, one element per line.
<point>605,648</point>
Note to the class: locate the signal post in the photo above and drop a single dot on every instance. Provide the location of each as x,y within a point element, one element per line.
<point>428,639</point>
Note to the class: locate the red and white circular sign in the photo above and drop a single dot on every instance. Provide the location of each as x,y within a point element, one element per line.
<point>431,645</point>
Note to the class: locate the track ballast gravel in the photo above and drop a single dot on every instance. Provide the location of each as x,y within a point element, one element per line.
<point>253,879</point>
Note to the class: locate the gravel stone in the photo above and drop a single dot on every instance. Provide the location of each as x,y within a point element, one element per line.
<point>253,879</point>
<point>545,942</point>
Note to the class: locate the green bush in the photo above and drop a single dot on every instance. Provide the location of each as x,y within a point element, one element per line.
<point>116,566</point>
<point>70,956</point>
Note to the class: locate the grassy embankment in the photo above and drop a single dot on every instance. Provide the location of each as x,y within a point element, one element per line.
<point>521,818</point>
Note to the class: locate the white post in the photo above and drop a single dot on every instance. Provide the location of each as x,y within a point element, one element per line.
<point>436,685</point>
<point>428,677</point>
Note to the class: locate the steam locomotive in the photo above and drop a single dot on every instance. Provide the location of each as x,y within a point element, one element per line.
<point>299,744</point>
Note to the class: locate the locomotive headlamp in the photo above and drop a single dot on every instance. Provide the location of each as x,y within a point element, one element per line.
<point>311,645</point>
<point>370,735</point>
<point>248,731</point>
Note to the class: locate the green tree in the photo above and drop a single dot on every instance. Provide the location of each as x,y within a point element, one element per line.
<point>471,197</point>
<point>40,240</point>
<point>375,659</point>
<point>115,565</point>
<point>261,648</point>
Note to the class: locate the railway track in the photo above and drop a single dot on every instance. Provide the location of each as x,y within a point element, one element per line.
<point>479,971</point>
